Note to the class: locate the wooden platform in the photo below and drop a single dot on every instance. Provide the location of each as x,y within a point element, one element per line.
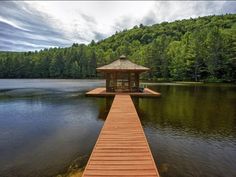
<point>101,92</point>
<point>121,148</point>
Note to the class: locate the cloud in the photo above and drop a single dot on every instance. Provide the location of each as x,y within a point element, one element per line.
<point>124,23</point>
<point>149,18</point>
<point>35,25</point>
<point>21,23</point>
<point>83,29</point>
<point>229,7</point>
<point>176,10</point>
<point>99,36</point>
<point>88,18</point>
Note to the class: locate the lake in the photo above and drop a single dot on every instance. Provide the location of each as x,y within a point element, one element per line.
<point>48,127</point>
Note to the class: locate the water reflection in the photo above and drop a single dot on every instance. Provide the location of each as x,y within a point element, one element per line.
<point>43,134</point>
<point>191,130</point>
<point>48,126</point>
<point>105,105</point>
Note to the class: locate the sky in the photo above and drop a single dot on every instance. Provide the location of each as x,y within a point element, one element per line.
<point>34,25</point>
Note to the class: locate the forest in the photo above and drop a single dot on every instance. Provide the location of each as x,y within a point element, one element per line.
<point>200,49</point>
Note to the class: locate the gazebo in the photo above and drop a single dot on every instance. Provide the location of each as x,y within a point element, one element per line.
<point>122,75</point>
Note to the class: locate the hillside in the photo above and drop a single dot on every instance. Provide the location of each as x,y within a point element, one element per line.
<point>201,49</point>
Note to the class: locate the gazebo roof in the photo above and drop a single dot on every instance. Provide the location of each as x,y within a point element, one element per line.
<point>122,64</point>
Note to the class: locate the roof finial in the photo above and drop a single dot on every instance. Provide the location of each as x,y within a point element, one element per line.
<point>122,57</point>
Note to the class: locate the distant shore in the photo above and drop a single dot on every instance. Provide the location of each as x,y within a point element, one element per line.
<point>142,80</point>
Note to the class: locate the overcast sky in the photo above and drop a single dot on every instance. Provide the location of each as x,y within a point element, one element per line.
<point>34,25</point>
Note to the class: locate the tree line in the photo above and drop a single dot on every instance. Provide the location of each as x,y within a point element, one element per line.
<point>201,49</point>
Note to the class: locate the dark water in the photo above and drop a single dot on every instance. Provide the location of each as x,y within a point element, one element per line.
<point>192,130</point>
<point>48,126</point>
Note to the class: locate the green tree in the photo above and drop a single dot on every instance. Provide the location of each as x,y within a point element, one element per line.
<point>215,60</point>
<point>75,70</point>
<point>178,67</point>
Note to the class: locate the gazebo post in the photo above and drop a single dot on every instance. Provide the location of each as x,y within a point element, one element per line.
<point>137,80</point>
<point>129,79</point>
<point>107,81</point>
<point>115,80</point>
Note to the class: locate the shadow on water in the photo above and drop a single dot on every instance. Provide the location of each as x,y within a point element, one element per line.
<point>191,129</point>
<point>105,105</point>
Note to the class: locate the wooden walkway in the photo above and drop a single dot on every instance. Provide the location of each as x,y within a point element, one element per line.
<point>102,93</point>
<point>122,148</point>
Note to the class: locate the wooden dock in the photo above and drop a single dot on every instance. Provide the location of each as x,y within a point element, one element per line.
<point>122,148</point>
<point>101,92</point>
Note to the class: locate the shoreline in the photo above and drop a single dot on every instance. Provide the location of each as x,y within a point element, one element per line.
<point>142,80</point>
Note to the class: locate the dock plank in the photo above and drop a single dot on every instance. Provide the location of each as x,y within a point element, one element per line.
<point>121,148</point>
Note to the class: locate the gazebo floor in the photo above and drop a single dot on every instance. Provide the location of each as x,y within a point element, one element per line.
<point>101,92</point>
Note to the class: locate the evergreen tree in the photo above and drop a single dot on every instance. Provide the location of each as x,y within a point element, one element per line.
<point>201,49</point>
<point>215,61</point>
